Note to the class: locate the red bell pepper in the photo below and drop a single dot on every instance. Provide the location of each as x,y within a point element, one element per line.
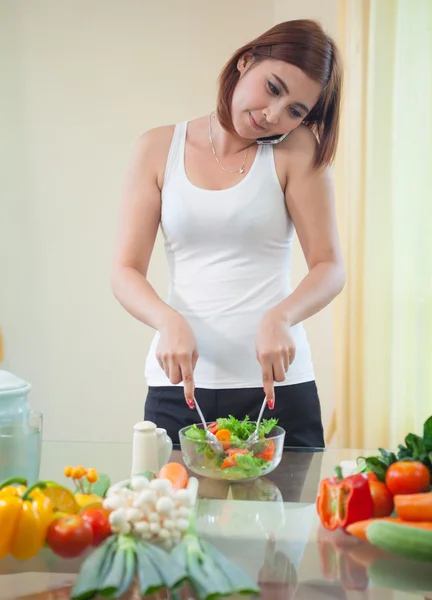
<point>344,501</point>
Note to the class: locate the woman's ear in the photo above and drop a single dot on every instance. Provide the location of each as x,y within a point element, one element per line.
<point>244,62</point>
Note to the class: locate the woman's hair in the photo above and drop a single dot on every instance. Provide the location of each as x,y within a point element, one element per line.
<point>305,44</point>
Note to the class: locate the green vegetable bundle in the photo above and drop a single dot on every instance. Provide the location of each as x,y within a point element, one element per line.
<point>416,448</point>
<point>112,568</point>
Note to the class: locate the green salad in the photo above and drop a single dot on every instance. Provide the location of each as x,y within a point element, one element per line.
<point>238,461</point>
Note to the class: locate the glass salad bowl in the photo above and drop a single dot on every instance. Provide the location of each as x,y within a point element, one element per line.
<point>238,461</point>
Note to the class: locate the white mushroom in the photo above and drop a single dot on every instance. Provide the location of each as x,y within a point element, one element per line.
<point>183,512</point>
<point>114,502</point>
<point>155,527</point>
<point>165,506</point>
<point>147,496</point>
<point>164,534</point>
<point>142,527</point>
<point>140,483</point>
<point>117,518</point>
<point>133,514</point>
<point>182,524</point>
<point>153,517</point>
<point>162,486</point>
<point>169,524</point>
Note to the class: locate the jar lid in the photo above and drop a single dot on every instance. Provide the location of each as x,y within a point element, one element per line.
<point>144,426</point>
<point>11,384</point>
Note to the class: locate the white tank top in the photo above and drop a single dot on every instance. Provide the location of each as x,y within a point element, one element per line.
<point>229,259</point>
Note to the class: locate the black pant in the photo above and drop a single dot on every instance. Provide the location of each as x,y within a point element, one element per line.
<point>297,407</point>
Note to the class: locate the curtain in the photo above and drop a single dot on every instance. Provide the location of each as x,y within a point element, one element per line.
<point>383,319</point>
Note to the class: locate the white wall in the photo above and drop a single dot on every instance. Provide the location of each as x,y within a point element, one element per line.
<point>83,79</point>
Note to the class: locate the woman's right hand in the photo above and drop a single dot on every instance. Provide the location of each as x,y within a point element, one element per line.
<point>177,353</point>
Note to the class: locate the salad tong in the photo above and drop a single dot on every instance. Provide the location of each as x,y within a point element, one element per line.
<point>254,436</point>
<point>216,445</point>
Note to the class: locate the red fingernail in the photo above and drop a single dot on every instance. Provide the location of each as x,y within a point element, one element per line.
<point>190,403</point>
<point>271,404</point>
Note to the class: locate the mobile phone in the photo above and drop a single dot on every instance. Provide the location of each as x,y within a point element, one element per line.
<point>273,139</point>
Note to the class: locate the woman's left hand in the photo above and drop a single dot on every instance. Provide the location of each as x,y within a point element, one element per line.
<point>275,350</point>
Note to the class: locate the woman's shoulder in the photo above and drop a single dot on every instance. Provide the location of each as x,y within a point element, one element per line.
<point>300,142</point>
<point>156,137</point>
<point>298,150</point>
<point>295,156</point>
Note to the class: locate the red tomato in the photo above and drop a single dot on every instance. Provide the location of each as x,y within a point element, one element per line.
<point>371,476</point>
<point>213,428</point>
<point>231,451</point>
<point>382,499</point>
<point>69,535</point>
<point>268,451</point>
<point>408,477</point>
<point>98,521</point>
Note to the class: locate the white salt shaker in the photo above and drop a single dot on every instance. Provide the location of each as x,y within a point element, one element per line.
<point>145,448</point>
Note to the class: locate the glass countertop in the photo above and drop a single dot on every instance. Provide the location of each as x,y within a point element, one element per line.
<point>268,526</point>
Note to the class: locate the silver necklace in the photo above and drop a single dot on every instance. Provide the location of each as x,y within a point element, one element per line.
<point>241,170</point>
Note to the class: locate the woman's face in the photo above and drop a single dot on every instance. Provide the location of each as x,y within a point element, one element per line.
<point>272,97</point>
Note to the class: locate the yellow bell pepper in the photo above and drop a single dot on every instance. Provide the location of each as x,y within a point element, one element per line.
<point>6,489</point>
<point>24,519</point>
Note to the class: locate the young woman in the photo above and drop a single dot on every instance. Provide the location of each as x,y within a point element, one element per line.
<point>228,202</point>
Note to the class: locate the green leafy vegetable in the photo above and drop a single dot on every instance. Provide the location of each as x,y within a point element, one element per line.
<point>427,434</point>
<point>195,433</point>
<point>99,488</point>
<point>416,448</point>
<point>241,430</point>
<point>250,464</point>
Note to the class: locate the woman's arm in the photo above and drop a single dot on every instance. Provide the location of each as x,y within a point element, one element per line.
<point>310,200</point>
<point>138,225</point>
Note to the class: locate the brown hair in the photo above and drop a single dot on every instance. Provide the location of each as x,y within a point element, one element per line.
<point>305,44</point>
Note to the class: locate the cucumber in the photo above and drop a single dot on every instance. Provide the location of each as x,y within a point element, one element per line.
<point>403,540</point>
<point>86,585</point>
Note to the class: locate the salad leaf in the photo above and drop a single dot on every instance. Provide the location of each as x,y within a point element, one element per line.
<point>241,430</point>
<point>195,433</point>
<point>248,464</point>
<point>267,425</point>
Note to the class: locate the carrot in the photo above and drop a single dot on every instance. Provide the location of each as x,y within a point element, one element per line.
<point>414,507</point>
<point>359,529</point>
<point>176,473</point>
<point>223,435</point>
<point>230,461</point>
